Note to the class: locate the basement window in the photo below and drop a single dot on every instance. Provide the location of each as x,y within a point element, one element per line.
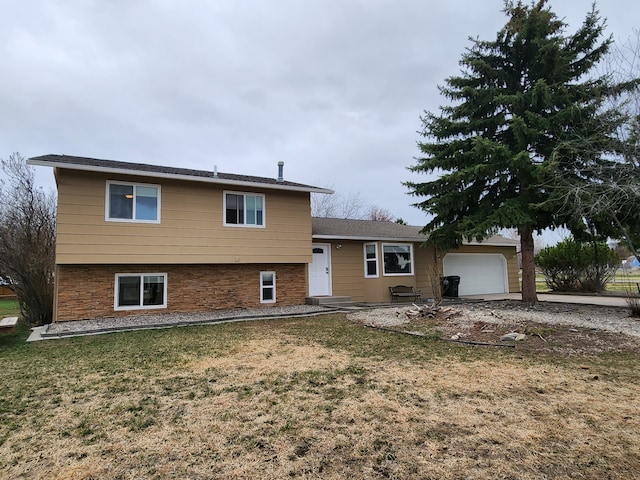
<point>140,290</point>
<point>267,287</point>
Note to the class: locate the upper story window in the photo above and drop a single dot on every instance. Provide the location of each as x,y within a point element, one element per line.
<point>132,202</point>
<point>398,259</point>
<point>371,260</point>
<point>244,209</point>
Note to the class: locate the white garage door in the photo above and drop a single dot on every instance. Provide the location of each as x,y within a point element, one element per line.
<point>479,273</point>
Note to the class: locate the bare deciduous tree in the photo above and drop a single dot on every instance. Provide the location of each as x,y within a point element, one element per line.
<point>350,206</point>
<point>337,205</point>
<point>379,214</point>
<point>605,191</point>
<point>27,239</point>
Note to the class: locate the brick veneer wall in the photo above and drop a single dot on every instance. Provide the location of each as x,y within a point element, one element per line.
<point>87,291</point>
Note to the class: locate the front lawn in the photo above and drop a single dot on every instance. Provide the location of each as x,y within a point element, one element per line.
<point>317,397</point>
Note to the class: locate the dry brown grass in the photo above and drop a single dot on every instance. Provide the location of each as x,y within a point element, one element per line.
<point>315,398</point>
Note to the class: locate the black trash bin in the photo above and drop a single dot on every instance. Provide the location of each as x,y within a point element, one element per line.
<point>450,286</point>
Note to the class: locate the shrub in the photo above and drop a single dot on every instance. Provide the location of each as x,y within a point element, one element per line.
<point>633,301</point>
<point>570,266</point>
<point>27,239</point>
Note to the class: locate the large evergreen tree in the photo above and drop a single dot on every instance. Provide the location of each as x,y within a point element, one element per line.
<point>517,100</point>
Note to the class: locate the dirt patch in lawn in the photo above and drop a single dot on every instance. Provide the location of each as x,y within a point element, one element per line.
<point>568,329</point>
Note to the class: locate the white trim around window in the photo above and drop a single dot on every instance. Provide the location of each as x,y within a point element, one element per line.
<point>371,260</point>
<point>267,287</point>
<point>138,291</point>
<point>397,259</point>
<point>132,202</point>
<point>244,209</point>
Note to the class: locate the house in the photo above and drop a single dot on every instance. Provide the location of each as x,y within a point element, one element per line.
<point>136,238</point>
<point>361,259</point>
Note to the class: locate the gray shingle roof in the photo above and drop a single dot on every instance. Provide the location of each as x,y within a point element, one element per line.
<point>364,230</point>
<point>369,230</point>
<point>95,164</point>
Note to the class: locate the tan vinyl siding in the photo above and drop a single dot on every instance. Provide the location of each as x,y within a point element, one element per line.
<point>347,270</point>
<point>349,279</point>
<point>191,226</point>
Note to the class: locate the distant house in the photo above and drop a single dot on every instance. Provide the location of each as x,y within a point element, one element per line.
<point>137,238</point>
<point>5,289</point>
<point>632,263</point>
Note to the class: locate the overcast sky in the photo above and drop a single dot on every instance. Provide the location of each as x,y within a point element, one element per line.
<point>334,88</point>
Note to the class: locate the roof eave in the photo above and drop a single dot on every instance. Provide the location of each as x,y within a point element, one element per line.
<point>174,176</point>
<point>369,238</point>
<point>364,238</point>
<point>491,244</point>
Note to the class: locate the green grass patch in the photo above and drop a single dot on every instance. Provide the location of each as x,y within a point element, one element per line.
<point>9,308</point>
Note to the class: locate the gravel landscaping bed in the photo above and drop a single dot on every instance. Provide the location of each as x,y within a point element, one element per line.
<point>570,328</point>
<point>609,319</point>
<point>165,320</point>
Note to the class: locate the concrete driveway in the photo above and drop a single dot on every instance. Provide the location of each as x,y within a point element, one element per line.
<point>606,300</point>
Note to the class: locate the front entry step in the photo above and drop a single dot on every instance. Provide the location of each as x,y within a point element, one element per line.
<point>329,300</point>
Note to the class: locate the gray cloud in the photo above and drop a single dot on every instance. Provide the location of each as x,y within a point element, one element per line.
<point>334,88</point>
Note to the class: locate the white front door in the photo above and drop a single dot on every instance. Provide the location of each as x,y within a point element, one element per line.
<point>320,270</point>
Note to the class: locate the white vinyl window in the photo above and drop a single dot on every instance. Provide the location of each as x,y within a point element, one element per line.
<point>136,291</point>
<point>243,209</point>
<point>371,260</point>
<point>267,287</point>
<point>397,259</point>
<point>132,202</point>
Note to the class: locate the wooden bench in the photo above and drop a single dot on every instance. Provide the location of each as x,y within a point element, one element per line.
<point>8,324</point>
<point>404,291</point>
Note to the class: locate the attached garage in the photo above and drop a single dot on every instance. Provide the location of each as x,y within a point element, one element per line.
<point>363,258</point>
<point>480,273</point>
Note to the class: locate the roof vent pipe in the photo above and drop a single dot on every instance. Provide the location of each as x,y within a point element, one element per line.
<point>280,170</point>
<point>215,170</point>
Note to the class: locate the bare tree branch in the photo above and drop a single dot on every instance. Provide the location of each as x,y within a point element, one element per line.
<point>350,206</point>
<point>379,214</point>
<point>604,190</point>
<point>27,239</point>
